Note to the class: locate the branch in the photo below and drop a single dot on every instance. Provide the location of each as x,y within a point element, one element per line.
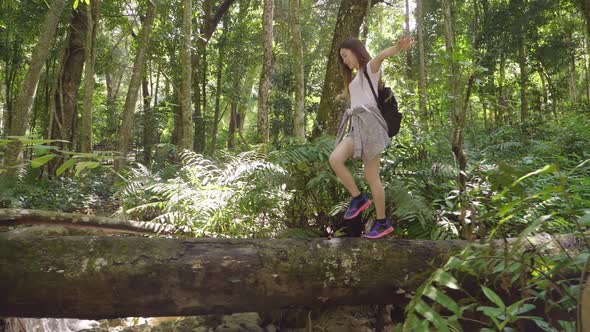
<point>12,217</point>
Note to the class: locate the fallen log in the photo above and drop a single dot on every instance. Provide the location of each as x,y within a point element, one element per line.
<point>14,217</point>
<point>106,277</point>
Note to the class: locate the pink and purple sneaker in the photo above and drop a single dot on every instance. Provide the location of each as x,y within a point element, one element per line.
<point>357,205</point>
<point>379,229</point>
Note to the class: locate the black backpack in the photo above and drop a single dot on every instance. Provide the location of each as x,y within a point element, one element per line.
<point>388,107</point>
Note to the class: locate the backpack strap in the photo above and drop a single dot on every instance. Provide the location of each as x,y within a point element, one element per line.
<point>370,84</point>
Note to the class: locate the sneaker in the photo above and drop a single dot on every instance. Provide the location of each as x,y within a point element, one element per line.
<point>357,205</point>
<point>379,229</point>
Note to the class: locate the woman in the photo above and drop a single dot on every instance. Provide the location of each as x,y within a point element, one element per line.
<point>368,131</point>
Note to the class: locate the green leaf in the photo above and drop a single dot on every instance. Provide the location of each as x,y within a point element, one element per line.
<point>491,311</point>
<point>40,150</point>
<point>426,311</point>
<point>445,279</point>
<point>490,294</point>
<point>547,169</point>
<point>86,164</point>
<point>544,325</point>
<point>442,298</point>
<point>65,166</point>
<point>75,4</point>
<point>582,258</point>
<point>520,308</point>
<point>38,162</point>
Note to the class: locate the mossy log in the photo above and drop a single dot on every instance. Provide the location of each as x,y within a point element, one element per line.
<point>106,277</point>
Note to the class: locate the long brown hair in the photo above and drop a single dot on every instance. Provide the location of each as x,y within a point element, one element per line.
<point>362,55</point>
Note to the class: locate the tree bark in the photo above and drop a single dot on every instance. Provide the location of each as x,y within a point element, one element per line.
<point>211,19</point>
<point>585,8</point>
<point>24,101</point>
<point>70,77</point>
<point>218,88</point>
<point>299,71</point>
<point>150,129</point>
<point>350,17</point>
<point>264,88</point>
<point>186,138</point>
<point>458,108</point>
<point>107,277</point>
<point>138,68</point>
<point>587,67</point>
<point>421,63</point>
<point>92,22</point>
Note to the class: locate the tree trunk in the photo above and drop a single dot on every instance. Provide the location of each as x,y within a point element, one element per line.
<point>186,139</point>
<point>350,16</point>
<point>233,117</point>
<point>211,19</point>
<point>409,63</point>
<point>92,21</point>
<point>111,276</point>
<point>519,7</point>
<point>587,68</point>
<point>149,122</point>
<point>138,68</point>
<point>502,109</point>
<point>218,88</point>
<point>585,8</point>
<point>421,64</point>
<point>299,71</point>
<point>573,79</point>
<point>458,108</point>
<point>27,93</point>
<point>264,88</point>
<point>70,77</point>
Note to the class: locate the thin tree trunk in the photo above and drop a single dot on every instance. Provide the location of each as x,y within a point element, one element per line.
<point>149,122</point>
<point>27,93</point>
<point>409,64</point>
<point>585,8</point>
<point>350,16</point>
<point>211,18</point>
<point>502,109</point>
<point>93,18</point>
<point>299,71</point>
<point>421,63</point>
<point>587,68</point>
<point>138,69</point>
<point>218,88</point>
<point>232,124</point>
<point>70,78</point>
<point>573,79</point>
<point>264,87</point>
<point>457,110</point>
<point>186,139</point>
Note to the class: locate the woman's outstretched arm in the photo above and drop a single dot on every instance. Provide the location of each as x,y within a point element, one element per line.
<point>403,44</point>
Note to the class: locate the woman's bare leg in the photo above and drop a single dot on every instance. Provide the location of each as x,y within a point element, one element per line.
<point>372,168</point>
<point>343,151</point>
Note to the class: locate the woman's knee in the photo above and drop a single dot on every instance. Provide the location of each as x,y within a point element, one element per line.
<point>335,160</point>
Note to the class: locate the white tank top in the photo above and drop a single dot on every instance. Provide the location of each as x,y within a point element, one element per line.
<point>360,91</point>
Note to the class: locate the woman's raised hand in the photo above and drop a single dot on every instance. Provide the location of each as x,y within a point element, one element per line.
<point>405,43</point>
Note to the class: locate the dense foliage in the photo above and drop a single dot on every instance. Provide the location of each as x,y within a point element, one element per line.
<point>523,76</point>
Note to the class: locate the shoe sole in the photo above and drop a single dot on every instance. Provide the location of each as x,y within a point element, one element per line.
<point>359,210</point>
<point>385,232</point>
